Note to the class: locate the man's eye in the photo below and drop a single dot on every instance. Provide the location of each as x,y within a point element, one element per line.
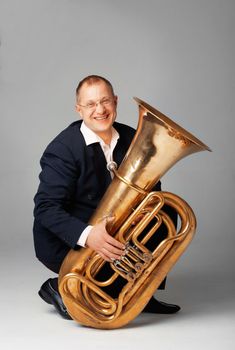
<point>90,105</point>
<point>106,101</point>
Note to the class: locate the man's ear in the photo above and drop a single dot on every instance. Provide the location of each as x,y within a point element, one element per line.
<point>116,100</point>
<point>78,109</point>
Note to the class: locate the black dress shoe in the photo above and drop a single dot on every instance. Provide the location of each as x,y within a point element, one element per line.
<point>159,307</point>
<point>51,296</point>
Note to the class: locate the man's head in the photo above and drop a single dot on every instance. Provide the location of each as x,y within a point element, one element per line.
<point>97,104</point>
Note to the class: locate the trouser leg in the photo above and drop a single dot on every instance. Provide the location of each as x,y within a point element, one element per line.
<point>55,267</point>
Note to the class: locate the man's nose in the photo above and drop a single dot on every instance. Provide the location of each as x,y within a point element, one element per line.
<point>100,108</point>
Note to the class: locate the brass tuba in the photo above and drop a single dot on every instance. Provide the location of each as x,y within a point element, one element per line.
<point>157,145</point>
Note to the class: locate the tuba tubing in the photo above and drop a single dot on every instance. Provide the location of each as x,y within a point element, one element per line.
<point>158,144</point>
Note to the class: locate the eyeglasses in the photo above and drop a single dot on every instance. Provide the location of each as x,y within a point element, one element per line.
<point>92,105</point>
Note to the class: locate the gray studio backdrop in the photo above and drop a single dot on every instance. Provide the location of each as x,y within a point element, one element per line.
<point>176,55</point>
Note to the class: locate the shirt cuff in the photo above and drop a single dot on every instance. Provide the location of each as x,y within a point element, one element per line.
<point>84,235</point>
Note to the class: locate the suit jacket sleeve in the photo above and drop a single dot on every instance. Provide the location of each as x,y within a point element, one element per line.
<point>55,194</point>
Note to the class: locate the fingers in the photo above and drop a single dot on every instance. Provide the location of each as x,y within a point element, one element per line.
<point>104,244</point>
<point>108,219</point>
<point>106,255</point>
<point>112,249</point>
<point>111,252</point>
<point>115,243</point>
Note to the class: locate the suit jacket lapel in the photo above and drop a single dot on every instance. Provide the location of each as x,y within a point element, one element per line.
<point>99,163</point>
<point>100,166</point>
<point>119,153</point>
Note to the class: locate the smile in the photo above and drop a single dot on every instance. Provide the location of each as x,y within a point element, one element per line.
<point>102,118</point>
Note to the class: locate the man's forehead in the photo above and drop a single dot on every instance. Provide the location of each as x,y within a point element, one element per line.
<point>89,90</point>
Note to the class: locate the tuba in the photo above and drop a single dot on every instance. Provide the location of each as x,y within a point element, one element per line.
<point>157,145</point>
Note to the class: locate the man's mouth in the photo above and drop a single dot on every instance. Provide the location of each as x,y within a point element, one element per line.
<point>101,117</point>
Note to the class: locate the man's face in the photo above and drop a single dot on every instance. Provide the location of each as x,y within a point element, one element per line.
<point>97,107</point>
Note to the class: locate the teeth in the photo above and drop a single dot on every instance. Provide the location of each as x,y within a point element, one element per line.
<point>101,118</point>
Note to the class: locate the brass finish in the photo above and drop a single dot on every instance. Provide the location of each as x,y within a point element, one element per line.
<point>158,144</point>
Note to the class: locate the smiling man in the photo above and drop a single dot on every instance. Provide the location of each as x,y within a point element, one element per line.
<point>97,106</point>
<point>73,180</point>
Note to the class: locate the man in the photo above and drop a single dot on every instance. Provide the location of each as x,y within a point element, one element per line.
<point>73,179</point>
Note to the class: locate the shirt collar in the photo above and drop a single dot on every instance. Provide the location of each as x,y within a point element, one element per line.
<point>91,137</point>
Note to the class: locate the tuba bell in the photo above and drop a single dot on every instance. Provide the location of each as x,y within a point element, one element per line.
<point>157,145</point>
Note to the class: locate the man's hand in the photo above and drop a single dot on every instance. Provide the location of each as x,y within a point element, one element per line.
<point>104,244</point>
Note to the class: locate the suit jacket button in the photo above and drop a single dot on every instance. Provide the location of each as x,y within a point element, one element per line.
<point>89,196</point>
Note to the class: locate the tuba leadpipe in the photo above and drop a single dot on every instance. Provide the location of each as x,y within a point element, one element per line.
<point>158,144</point>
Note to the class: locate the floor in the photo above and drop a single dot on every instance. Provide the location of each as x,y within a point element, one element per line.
<point>206,321</point>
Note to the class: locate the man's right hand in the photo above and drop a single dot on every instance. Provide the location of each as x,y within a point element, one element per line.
<point>104,244</point>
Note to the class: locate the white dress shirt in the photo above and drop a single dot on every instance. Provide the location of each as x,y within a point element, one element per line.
<point>91,137</point>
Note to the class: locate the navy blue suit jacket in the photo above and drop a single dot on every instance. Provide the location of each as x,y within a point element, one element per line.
<point>73,180</point>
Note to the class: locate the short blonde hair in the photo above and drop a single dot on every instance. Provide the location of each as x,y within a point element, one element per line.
<point>93,79</point>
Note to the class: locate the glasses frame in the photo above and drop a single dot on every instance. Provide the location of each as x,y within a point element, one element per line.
<point>106,101</point>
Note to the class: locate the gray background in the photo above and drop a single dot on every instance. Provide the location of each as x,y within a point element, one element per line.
<point>179,57</point>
